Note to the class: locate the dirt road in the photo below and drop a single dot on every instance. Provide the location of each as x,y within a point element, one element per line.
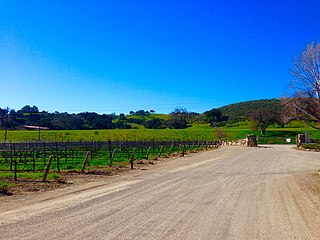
<point>230,193</point>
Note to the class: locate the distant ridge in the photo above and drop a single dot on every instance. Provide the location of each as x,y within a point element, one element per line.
<point>240,111</point>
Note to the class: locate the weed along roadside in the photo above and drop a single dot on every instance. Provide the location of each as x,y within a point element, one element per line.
<point>39,166</point>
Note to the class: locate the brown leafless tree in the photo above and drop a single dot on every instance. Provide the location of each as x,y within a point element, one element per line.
<point>305,102</point>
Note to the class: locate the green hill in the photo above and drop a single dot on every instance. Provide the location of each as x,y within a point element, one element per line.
<point>240,111</point>
<point>235,112</point>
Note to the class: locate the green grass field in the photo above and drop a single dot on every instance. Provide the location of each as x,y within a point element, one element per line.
<point>239,130</point>
<point>196,132</point>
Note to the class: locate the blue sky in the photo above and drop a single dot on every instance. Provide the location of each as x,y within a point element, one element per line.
<point>117,56</point>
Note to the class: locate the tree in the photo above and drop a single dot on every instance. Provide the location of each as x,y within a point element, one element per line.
<point>214,116</point>
<point>103,122</point>
<point>28,109</point>
<point>65,121</point>
<point>141,113</point>
<point>305,101</point>
<point>4,121</point>
<point>122,116</point>
<point>178,118</point>
<point>261,118</point>
<point>29,115</point>
<point>155,123</point>
<point>13,120</point>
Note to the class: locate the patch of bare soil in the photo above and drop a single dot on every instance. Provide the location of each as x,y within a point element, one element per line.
<point>22,186</point>
<point>67,178</point>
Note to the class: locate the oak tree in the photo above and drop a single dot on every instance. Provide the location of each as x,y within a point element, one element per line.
<point>304,103</point>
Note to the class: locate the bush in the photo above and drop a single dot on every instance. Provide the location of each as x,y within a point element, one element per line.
<point>314,146</point>
<point>136,120</point>
<point>220,134</point>
<point>155,123</point>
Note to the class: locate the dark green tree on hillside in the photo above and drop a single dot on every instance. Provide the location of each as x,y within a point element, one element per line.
<point>29,115</point>
<point>261,118</point>
<point>178,118</point>
<point>4,115</point>
<point>214,116</point>
<point>155,123</point>
<point>63,121</point>
<point>122,116</point>
<point>29,109</point>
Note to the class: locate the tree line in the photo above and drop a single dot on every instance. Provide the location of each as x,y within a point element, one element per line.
<point>179,118</point>
<point>31,116</point>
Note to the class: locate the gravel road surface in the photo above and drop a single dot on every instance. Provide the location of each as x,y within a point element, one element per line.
<point>272,192</point>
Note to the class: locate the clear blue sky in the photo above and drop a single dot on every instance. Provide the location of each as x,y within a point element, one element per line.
<point>115,56</point>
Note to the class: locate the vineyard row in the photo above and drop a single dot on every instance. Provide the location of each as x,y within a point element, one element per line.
<point>35,156</point>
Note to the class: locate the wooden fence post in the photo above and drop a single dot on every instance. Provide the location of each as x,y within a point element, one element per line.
<point>15,169</point>
<point>47,169</point>
<point>109,148</point>
<point>160,151</point>
<point>85,161</point>
<point>112,157</point>
<point>148,152</point>
<point>132,158</point>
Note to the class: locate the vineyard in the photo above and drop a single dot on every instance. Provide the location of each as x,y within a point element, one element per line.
<point>41,157</point>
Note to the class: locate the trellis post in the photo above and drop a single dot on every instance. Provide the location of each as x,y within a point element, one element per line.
<point>86,159</point>
<point>47,169</point>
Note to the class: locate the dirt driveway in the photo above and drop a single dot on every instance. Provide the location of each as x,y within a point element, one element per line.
<point>230,193</point>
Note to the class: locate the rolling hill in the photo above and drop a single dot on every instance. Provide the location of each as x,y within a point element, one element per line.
<point>239,111</point>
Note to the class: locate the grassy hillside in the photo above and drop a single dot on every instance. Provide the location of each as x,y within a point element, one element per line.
<point>240,111</point>
<point>150,117</point>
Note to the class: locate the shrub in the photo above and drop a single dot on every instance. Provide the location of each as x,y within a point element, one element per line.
<point>220,134</point>
<point>314,146</point>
